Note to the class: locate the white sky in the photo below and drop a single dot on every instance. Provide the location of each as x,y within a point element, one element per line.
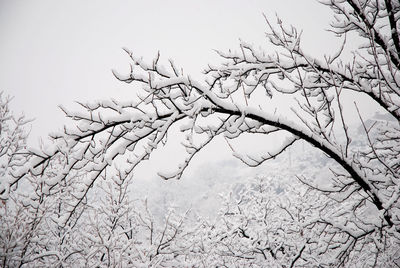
<point>55,52</point>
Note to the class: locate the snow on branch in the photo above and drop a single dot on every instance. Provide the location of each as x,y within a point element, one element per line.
<point>253,91</point>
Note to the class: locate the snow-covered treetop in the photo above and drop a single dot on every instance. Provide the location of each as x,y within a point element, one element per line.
<point>252,91</point>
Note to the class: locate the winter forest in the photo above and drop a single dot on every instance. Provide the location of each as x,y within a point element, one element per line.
<point>313,178</point>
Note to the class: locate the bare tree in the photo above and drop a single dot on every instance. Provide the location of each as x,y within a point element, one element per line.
<point>13,135</point>
<point>32,229</point>
<point>240,97</point>
<point>275,222</point>
<point>123,232</point>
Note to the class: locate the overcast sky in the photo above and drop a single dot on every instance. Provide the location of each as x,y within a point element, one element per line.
<point>55,52</point>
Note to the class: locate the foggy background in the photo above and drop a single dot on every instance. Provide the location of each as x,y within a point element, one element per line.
<point>55,52</point>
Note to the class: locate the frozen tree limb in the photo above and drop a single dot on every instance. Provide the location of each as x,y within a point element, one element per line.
<point>240,96</point>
